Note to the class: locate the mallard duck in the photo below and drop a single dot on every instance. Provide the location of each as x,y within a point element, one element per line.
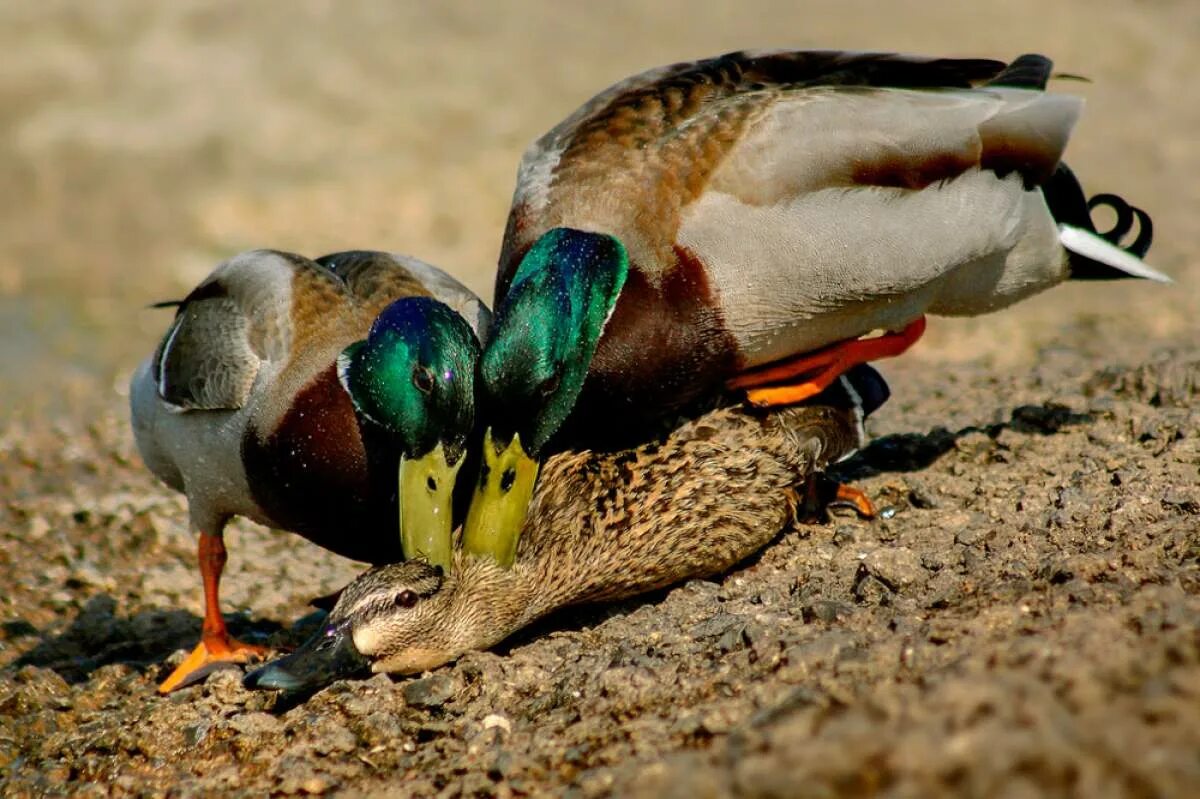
<point>602,526</point>
<point>742,222</point>
<point>292,392</point>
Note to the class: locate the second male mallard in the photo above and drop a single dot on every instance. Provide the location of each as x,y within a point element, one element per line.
<point>741,222</point>
<point>292,391</point>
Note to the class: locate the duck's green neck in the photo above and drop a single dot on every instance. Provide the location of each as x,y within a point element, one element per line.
<point>547,329</point>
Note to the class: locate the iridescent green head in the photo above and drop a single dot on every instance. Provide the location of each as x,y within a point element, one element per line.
<point>414,376</point>
<point>546,331</point>
<point>542,341</point>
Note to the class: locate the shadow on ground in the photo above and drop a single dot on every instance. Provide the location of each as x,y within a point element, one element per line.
<point>911,452</point>
<point>98,637</point>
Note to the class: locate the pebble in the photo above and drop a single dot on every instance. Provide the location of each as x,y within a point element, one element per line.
<point>826,610</point>
<point>496,721</point>
<point>969,536</point>
<point>896,567</point>
<point>430,692</point>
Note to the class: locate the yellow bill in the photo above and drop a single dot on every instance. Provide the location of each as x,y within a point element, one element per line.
<point>501,500</point>
<point>427,507</point>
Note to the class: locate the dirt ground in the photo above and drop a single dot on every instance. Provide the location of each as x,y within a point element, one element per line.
<point>1025,621</point>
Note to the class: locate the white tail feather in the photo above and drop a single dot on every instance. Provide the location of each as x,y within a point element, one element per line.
<point>1089,245</point>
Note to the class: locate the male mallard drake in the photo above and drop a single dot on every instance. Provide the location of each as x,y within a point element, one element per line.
<point>601,526</point>
<point>291,391</point>
<point>740,222</point>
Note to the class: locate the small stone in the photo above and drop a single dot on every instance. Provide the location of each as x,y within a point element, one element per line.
<point>501,765</point>
<point>333,738</point>
<point>595,783</point>
<point>86,574</point>
<point>933,561</point>
<point>718,627</point>
<point>430,692</point>
<point>37,529</point>
<point>1176,498</point>
<point>315,785</point>
<point>688,726</point>
<point>969,536</point>
<point>825,648</point>
<point>895,567</point>
<point>716,722</point>
<point>844,535</point>
<point>828,611</point>
<point>918,497</point>
<point>496,721</point>
<point>195,734</point>
<point>732,639</point>
<point>871,590</point>
<point>975,444</point>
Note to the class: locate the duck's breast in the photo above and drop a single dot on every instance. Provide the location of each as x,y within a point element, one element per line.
<point>664,346</point>
<point>318,472</point>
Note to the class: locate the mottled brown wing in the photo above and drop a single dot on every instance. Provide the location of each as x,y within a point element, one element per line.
<point>376,279</point>
<point>373,278</point>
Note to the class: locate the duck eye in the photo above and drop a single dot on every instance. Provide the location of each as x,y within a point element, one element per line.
<point>405,599</point>
<point>422,378</point>
<point>549,385</point>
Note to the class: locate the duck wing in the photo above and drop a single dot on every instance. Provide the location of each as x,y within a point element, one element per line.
<point>633,154</point>
<point>239,318</point>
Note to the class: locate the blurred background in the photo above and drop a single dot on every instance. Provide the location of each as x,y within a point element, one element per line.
<point>142,142</point>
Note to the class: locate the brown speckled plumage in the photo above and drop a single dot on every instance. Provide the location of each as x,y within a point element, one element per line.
<point>715,491</point>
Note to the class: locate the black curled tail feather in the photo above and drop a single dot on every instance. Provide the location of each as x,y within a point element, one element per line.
<point>1126,214</point>
<point>1069,206</point>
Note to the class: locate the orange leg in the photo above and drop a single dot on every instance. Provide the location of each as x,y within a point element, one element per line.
<point>852,497</point>
<point>215,644</point>
<point>822,493</point>
<point>813,372</point>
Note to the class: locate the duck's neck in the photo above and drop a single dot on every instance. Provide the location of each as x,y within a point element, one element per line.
<point>490,602</point>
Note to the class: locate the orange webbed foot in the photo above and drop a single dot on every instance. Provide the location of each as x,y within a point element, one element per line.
<point>211,653</point>
<point>850,497</point>
<point>821,493</point>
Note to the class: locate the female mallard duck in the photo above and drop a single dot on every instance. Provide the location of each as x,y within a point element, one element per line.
<point>741,221</point>
<point>291,391</point>
<point>601,526</point>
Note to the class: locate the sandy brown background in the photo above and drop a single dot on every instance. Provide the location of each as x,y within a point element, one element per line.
<point>141,143</point>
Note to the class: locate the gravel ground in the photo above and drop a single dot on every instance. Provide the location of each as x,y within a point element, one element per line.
<point>1026,623</point>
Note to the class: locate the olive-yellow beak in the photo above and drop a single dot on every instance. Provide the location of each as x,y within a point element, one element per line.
<point>426,506</point>
<point>501,499</point>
